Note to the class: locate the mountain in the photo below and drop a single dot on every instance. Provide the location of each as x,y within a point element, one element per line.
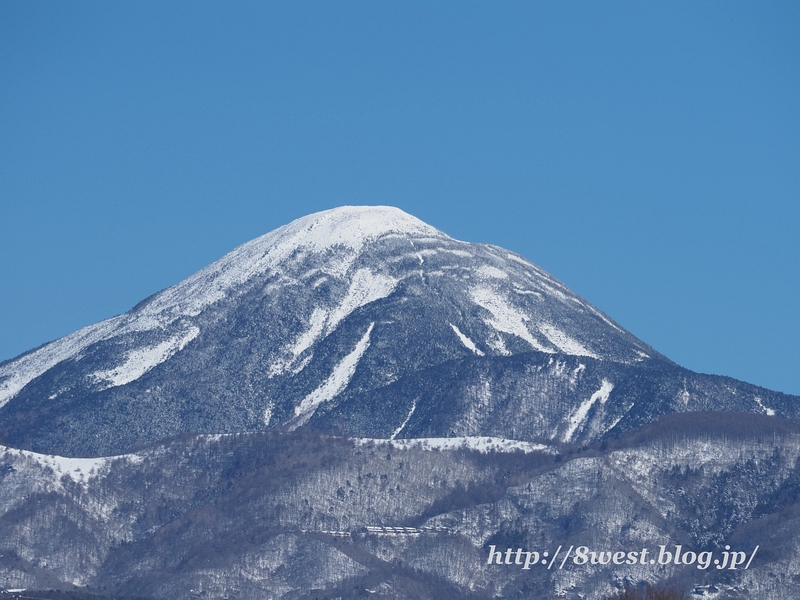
<point>302,515</point>
<point>356,404</point>
<point>360,321</point>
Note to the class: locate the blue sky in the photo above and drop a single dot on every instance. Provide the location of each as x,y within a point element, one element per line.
<point>646,154</point>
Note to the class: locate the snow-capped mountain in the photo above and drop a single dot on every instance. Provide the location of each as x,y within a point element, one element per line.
<point>360,321</point>
<point>359,393</point>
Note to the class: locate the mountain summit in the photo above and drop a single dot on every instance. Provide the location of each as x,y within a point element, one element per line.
<point>356,321</point>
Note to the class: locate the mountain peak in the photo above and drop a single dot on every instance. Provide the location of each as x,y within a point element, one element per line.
<point>350,226</point>
<point>346,228</point>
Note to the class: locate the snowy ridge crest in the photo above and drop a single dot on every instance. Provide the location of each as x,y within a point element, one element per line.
<point>80,470</point>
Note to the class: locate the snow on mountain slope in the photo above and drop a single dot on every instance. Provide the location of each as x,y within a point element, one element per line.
<point>258,336</point>
<point>579,416</point>
<point>348,228</point>
<point>141,360</point>
<point>79,470</point>
<point>338,380</point>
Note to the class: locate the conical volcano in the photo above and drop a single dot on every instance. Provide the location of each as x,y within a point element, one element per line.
<point>359,321</point>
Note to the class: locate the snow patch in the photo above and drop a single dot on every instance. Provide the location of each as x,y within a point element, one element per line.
<point>467,342</point>
<point>365,287</point>
<point>80,470</point>
<point>553,291</point>
<point>573,379</point>
<point>490,272</point>
<point>316,323</point>
<point>140,361</point>
<point>525,292</point>
<point>417,255</point>
<point>518,259</point>
<point>564,342</point>
<point>505,317</point>
<point>616,421</point>
<point>408,418</point>
<point>337,381</point>
<point>768,411</point>
<point>461,253</point>
<point>579,416</point>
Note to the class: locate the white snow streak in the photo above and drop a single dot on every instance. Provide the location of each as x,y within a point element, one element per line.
<point>523,291</point>
<point>307,338</point>
<point>316,323</point>
<point>461,253</point>
<point>470,345</point>
<point>519,259</point>
<point>365,287</point>
<point>607,320</point>
<point>768,411</point>
<point>564,342</point>
<point>140,361</point>
<point>490,272</point>
<point>505,317</point>
<point>579,416</point>
<point>408,418</point>
<point>337,381</point>
<point>617,420</point>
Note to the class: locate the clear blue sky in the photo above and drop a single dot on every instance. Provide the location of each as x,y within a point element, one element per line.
<point>645,153</point>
